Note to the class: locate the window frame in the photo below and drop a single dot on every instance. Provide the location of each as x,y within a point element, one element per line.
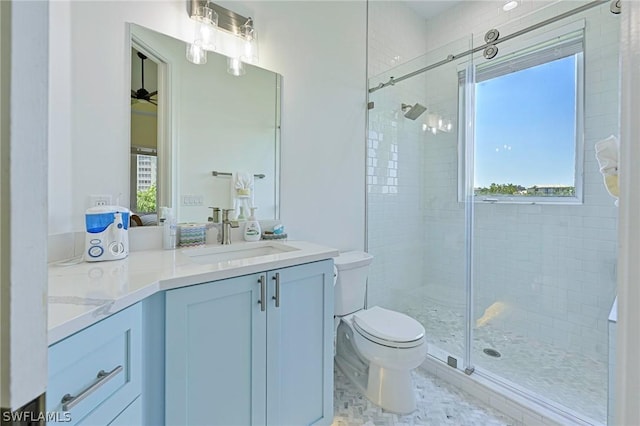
<point>533,52</point>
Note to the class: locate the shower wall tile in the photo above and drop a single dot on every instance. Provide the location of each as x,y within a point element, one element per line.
<point>396,35</point>
<point>394,152</point>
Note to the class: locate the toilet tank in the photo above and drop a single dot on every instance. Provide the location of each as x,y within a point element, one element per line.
<point>352,269</point>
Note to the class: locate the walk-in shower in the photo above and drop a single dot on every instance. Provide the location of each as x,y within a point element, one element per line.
<point>486,213</point>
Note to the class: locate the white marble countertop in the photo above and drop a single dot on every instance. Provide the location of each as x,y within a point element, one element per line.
<point>83,294</point>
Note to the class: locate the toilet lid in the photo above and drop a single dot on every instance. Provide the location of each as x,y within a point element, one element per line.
<point>388,327</point>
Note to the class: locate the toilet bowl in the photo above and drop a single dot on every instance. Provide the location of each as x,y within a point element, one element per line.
<point>376,348</point>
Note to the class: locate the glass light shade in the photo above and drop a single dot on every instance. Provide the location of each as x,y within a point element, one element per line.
<point>206,15</point>
<point>196,54</point>
<point>249,43</point>
<point>206,26</point>
<point>235,67</point>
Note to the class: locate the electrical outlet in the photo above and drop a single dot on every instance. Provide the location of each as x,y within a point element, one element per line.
<point>99,200</point>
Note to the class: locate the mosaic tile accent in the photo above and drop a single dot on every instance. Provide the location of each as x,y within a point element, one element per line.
<point>438,404</point>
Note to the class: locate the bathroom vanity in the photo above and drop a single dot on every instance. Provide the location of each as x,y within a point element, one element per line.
<point>218,336</point>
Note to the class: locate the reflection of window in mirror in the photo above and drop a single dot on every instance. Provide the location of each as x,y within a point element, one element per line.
<point>144,134</point>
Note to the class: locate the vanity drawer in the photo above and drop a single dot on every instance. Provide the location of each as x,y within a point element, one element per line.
<point>99,368</point>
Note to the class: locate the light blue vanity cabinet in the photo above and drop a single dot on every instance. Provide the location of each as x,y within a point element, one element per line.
<point>252,350</point>
<point>95,375</point>
<point>214,358</point>
<point>300,345</point>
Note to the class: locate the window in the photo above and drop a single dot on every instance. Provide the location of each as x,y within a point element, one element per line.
<point>528,124</point>
<point>144,178</point>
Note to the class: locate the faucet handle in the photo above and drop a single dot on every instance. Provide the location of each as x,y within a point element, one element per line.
<point>215,215</point>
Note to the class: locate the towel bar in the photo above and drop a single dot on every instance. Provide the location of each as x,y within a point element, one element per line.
<point>215,173</point>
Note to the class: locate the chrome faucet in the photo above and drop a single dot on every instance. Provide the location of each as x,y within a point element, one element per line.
<point>227,225</point>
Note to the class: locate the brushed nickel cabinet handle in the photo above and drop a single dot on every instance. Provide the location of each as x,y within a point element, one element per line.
<point>263,293</point>
<point>68,401</point>
<point>277,296</point>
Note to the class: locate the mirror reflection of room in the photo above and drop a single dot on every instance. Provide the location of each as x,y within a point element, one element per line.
<point>212,120</point>
<point>144,138</point>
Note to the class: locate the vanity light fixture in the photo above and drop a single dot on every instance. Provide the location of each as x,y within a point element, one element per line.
<point>236,36</point>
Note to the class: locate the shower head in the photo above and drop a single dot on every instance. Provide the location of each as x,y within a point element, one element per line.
<point>414,111</point>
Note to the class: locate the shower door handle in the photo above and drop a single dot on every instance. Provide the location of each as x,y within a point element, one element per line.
<point>276,278</point>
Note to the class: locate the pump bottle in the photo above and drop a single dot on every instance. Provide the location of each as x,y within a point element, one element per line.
<point>252,231</point>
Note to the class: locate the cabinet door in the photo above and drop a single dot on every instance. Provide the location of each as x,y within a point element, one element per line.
<point>300,345</point>
<point>215,354</point>
<point>132,415</point>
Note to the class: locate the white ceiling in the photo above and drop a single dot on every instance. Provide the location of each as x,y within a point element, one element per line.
<point>431,8</point>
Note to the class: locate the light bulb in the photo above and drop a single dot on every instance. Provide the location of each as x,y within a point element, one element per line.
<point>510,5</point>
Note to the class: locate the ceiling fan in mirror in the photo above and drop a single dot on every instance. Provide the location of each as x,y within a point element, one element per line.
<point>143,94</point>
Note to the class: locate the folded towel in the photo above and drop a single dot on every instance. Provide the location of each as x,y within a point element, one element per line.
<point>241,191</point>
<point>243,183</point>
<point>607,156</point>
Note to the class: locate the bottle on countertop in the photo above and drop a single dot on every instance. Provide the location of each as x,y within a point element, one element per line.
<point>252,231</point>
<point>169,229</point>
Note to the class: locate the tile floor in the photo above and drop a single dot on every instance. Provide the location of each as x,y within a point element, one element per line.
<point>438,404</point>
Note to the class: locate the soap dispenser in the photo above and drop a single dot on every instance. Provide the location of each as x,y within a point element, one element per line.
<point>252,229</point>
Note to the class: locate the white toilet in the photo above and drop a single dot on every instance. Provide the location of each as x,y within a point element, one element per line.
<point>376,348</point>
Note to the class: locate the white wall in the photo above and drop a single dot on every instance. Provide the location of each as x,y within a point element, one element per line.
<point>323,122</point>
<point>23,336</point>
<point>321,54</point>
<point>396,35</point>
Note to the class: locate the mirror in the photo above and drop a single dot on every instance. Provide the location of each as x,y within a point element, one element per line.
<point>205,121</point>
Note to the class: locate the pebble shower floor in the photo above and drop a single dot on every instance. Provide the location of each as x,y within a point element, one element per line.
<point>577,381</point>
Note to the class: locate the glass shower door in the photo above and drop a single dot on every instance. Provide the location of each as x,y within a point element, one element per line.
<point>415,207</point>
<point>544,228</point>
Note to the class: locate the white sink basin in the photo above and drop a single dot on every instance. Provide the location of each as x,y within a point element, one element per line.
<point>238,251</point>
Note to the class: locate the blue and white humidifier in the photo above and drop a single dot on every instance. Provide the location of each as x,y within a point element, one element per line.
<point>107,235</point>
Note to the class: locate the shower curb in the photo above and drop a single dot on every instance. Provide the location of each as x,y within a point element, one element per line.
<point>522,410</point>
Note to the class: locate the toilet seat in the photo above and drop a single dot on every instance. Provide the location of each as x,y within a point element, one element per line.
<point>388,328</point>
